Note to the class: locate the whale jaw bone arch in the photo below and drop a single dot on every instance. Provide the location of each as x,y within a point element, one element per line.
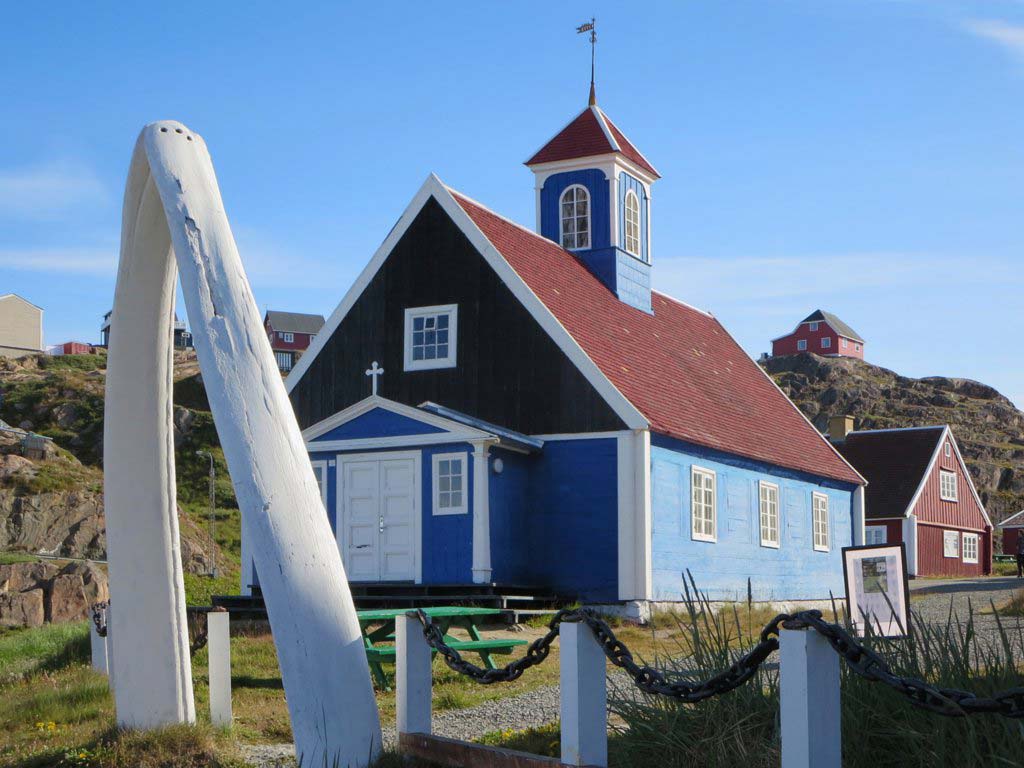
<point>173,212</point>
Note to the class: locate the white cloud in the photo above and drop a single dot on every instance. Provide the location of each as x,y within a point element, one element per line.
<point>1009,37</point>
<point>82,261</point>
<point>43,192</point>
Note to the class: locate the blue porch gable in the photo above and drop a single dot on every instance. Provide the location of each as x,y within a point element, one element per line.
<point>378,422</point>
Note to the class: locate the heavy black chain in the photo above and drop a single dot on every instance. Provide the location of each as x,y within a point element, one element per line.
<point>99,616</point>
<point>866,663</point>
<point>861,660</point>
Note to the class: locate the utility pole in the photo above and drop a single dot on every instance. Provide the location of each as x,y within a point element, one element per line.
<point>213,513</point>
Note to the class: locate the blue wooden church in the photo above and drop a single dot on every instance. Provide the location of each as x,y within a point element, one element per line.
<point>490,404</point>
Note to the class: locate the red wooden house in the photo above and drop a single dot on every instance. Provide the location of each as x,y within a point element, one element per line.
<point>290,334</point>
<point>920,493</point>
<point>1011,531</point>
<point>823,334</point>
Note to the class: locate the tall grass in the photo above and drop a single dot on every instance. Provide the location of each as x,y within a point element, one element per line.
<point>880,727</point>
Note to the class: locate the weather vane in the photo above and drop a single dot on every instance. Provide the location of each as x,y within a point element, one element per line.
<point>591,27</point>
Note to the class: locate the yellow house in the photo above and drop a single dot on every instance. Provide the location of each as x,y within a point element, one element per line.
<point>21,326</point>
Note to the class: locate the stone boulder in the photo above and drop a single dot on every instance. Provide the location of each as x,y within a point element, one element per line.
<point>33,593</point>
<point>22,609</point>
<point>14,466</point>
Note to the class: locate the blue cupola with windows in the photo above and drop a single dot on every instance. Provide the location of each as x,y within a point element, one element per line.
<point>594,199</point>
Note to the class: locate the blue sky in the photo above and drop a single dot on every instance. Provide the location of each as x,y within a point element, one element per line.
<point>861,156</point>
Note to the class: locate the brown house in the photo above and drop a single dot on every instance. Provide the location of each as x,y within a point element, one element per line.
<point>920,493</point>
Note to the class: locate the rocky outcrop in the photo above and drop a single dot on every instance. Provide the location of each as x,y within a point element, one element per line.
<point>64,524</point>
<point>34,593</point>
<point>988,427</point>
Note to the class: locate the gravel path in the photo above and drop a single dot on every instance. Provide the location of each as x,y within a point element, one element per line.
<point>930,598</point>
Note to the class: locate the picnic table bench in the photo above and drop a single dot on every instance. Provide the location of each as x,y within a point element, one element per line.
<point>378,630</point>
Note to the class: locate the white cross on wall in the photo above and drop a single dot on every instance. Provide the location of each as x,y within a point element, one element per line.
<point>374,371</point>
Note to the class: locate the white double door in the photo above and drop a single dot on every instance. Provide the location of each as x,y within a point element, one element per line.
<point>378,525</point>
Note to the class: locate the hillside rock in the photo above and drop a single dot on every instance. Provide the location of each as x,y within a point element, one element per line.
<point>987,425</point>
<point>34,593</point>
<point>71,524</point>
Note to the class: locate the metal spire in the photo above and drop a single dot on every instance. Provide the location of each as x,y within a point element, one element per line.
<point>591,27</point>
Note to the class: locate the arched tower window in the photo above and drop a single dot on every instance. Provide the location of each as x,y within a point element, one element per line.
<point>632,223</point>
<point>574,205</point>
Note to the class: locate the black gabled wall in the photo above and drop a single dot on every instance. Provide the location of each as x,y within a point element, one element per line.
<point>509,370</point>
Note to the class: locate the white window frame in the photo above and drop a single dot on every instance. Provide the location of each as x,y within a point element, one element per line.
<point>322,466</point>
<point>826,342</point>
<point>948,491</point>
<point>844,342</point>
<point>951,537</point>
<point>705,474</point>
<point>288,337</point>
<point>814,326</point>
<point>819,503</point>
<point>948,449</point>
<point>452,310</point>
<point>975,544</point>
<point>764,513</point>
<point>870,534</point>
<point>857,347</point>
<point>461,509</point>
<point>632,228</point>
<point>577,245</point>
<point>801,345</point>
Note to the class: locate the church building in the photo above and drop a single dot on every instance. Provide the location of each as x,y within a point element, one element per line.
<point>494,404</point>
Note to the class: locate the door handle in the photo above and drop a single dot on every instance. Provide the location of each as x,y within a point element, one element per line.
<point>382,523</point>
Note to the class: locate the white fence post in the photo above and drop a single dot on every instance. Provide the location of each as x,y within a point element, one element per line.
<point>809,698</point>
<point>218,648</point>
<point>412,676</point>
<point>584,697</point>
<point>98,647</point>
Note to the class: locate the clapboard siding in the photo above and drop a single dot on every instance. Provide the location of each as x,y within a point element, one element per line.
<point>509,370</point>
<point>932,562</point>
<point>963,513</point>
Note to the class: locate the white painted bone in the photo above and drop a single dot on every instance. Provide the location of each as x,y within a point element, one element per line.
<point>173,206</point>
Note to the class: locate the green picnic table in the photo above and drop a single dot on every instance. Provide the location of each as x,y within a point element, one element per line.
<point>378,630</point>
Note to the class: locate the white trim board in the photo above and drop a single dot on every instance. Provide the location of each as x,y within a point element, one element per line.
<point>372,402</point>
<point>434,188</point>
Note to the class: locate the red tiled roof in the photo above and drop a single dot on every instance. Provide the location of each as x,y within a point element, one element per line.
<point>585,136</point>
<point>678,367</point>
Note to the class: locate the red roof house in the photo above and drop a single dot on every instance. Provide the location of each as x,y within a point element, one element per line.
<point>822,333</point>
<point>1011,528</point>
<point>920,493</point>
<point>290,334</point>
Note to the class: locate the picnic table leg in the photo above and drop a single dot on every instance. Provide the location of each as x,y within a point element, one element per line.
<point>474,634</point>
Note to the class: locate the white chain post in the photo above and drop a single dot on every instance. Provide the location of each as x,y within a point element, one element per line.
<point>98,647</point>
<point>412,676</point>
<point>584,697</point>
<point>218,649</point>
<point>809,701</point>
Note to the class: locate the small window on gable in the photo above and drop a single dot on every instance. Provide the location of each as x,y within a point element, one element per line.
<point>844,343</point>
<point>814,326</point>
<point>857,347</point>
<point>826,343</point>
<point>450,491</point>
<point>970,547</point>
<point>289,337</point>
<point>947,485</point>
<point>632,223</point>
<point>768,494</point>
<point>819,521</point>
<point>431,334</point>
<point>574,215</point>
<point>703,515</point>
<point>948,449</point>
<point>801,344</point>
